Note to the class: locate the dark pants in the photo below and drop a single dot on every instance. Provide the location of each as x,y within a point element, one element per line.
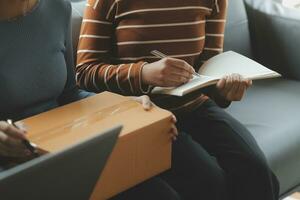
<point>219,159</point>
<point>153,189</point>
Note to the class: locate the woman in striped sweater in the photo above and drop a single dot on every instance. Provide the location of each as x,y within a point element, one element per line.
<point>219,159</point>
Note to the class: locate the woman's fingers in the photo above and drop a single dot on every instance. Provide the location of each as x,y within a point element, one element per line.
<point>173,119</point>
<point>3,137</point>
<point>173,80</point>
<point>180,64</point>
<point>221,83</point>
<point>8,151</point>
<point>235,92</point>
<point>147,104</point>
<point>12,147</point>
<point>181,79</point>
<point>11,138</point>
<point>181,73</point>
<point>228,81</point>
<point>11,142</point>
<point>241,91</point>
<point>248,83</point>
<point>173,83</point>
<point>233,87</point>
<point>22,126</point>
<point>144,100</point>
<point>174,132</point>
<point>12,131</point>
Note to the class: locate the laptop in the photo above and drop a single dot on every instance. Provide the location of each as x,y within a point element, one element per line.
<point>69,174</point>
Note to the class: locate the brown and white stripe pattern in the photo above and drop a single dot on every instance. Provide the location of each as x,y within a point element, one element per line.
<point>118,35</point>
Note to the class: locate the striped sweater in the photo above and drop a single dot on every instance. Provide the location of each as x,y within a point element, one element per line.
<point>117,36</point>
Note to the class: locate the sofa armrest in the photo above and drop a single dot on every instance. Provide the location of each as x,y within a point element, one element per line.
<point>275,36</point>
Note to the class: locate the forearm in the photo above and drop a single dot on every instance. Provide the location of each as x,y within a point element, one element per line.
<point>125,79</point>
<point>96,70</point>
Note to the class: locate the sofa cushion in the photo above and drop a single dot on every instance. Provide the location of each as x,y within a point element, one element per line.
<point>271,112</point>
<point>275,32</point>
<point>237,36</point>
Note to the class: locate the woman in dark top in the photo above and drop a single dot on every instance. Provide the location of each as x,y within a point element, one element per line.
<point>36,75</point>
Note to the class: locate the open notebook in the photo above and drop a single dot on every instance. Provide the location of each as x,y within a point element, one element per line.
<point>215,68</point>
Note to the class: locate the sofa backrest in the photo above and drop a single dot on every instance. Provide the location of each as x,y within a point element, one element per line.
<point>275,36</point>
<point>78,7</point>
<point>237,36</point>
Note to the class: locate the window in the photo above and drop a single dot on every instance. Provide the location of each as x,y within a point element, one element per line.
<point>291,3</point>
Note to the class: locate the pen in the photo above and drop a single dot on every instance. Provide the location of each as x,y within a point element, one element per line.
<point>162,55</point>
<point>25,142</point>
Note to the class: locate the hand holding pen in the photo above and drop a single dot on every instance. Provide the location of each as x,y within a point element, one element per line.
<point>13,139</point>
<point>162,55</point>
<point>167,72</point>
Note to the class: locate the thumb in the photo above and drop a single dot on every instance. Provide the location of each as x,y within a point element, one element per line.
<point>250,82</point>
<point>221,83</point>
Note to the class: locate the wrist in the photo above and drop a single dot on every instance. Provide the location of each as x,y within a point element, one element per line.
<point>145,74</point>
<point>220,99</point>
<point>145,88</point>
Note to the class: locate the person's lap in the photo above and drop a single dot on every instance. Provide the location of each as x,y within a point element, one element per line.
<point>195,174</point>
<point>234,148</point>
<point>152,189</point>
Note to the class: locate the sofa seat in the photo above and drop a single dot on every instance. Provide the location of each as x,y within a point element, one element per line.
<point>269,111</point>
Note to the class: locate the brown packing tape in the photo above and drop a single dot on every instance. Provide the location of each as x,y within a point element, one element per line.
<point>82,122</point>
<point>82,119</point>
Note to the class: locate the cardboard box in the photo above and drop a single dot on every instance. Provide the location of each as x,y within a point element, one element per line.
<point>143,149</point>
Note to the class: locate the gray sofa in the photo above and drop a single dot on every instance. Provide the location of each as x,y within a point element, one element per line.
<point>268,33</point>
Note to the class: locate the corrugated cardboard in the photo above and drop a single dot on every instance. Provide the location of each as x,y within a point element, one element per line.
<point>142,151</point>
